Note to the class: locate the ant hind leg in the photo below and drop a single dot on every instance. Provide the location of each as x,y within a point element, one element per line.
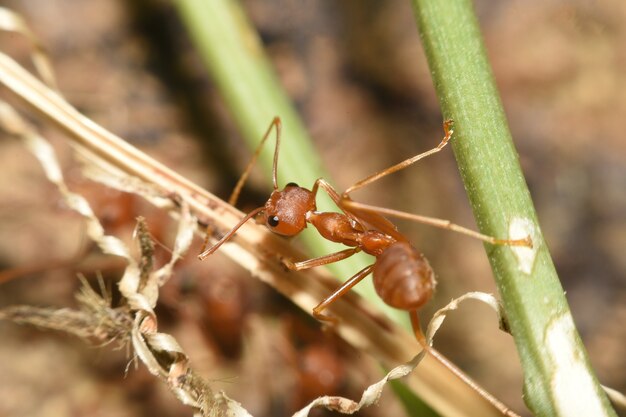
<point>339,292</point>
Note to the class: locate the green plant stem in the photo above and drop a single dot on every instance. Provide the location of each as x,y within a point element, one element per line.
<point>234,57</point>
<point>535,304</point>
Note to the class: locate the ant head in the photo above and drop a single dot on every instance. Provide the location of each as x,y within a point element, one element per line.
<point>285,211</point>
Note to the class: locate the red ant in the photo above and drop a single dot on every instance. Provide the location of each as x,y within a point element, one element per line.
<point>402,276</point>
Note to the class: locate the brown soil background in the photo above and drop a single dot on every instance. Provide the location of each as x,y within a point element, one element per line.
<point>356,71</point>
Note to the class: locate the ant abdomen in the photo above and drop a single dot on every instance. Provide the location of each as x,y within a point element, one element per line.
<point>403,277</point>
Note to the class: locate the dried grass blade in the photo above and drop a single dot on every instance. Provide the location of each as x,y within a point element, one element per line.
<point>13,22</point>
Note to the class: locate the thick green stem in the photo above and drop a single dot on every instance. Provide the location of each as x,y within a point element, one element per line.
<point>557,376</point>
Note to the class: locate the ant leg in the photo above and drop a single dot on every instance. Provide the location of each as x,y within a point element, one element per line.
<point>322,260</point>
<point>244,176</point>
<point>339,292</point>
<point>205,242</point>
<point>334,195</point>
<point>441,223</point>
<point>417,328</point>
<point>447,128</point>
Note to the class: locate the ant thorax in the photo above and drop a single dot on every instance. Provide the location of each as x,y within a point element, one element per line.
<point>340,228</point>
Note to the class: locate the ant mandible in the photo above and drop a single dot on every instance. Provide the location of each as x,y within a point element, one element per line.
<point>402,276</point>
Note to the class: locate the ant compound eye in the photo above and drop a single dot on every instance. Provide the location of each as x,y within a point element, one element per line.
<point>273,221</point>
<point>292,184</point>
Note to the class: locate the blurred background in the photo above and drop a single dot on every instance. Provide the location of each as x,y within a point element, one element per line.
<point>358,76</point>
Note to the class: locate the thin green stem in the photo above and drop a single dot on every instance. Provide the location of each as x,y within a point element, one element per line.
<point>557,376</point>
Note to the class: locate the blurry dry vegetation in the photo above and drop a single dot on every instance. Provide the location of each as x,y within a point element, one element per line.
<point>357,74</point>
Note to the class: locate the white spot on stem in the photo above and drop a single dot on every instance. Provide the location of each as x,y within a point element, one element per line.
<point>521,228</point>
<point>573,388</point>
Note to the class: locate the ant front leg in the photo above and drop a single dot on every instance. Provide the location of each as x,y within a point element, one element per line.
<point>334,195</point>
<point>447,129</point>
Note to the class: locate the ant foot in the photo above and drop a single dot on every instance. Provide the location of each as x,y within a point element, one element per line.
<point>288,264</point>
<point>328,321</point>
<point>527,242</point>
<point>448,130</point>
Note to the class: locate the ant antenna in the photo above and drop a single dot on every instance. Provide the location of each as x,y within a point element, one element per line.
<point>237,190</point>
<point>244,176</point>
<point>276,122</point>
<point>230,234</point>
